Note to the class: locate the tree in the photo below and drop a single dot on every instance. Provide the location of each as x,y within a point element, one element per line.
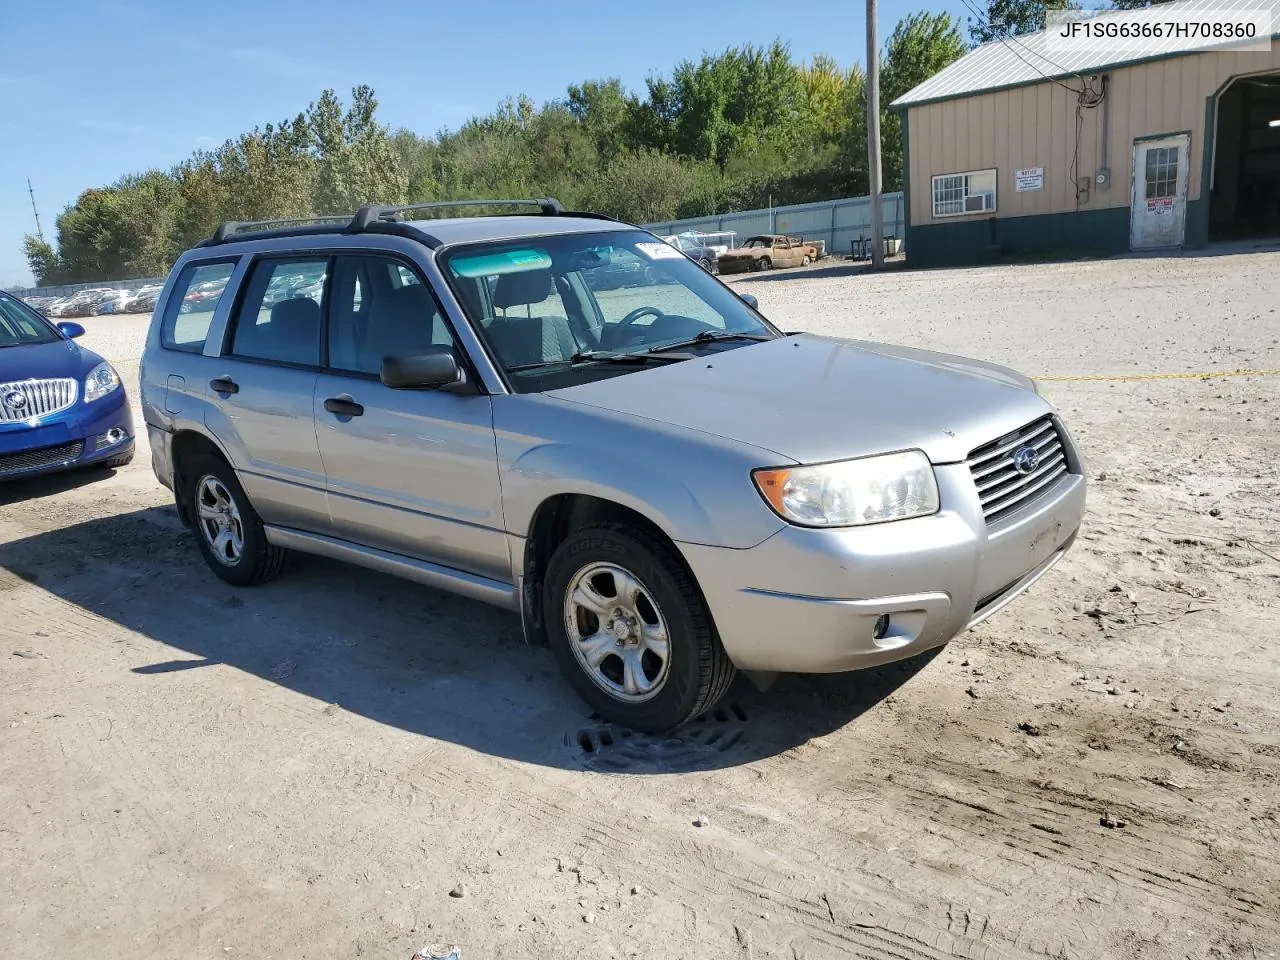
<point>920,46</point>
<point>43,261</point>
<point>1013,18</point>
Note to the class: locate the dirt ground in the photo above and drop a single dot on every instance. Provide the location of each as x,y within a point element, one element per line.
<point>308,769</point>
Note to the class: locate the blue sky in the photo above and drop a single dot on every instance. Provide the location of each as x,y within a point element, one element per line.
<point>93,89</point>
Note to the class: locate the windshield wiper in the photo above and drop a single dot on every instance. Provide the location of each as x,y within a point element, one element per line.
<point>710,336</point>
<point>592,356</point>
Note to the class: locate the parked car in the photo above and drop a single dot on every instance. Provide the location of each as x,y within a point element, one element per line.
<point>719,242</point>
<point>695,250</point>
<point>666,486</point>
<point>143,300</point>
<point>203,298</point>
<point>81,305</point>
<point>39,304</point>
<point>61,406</point>
<point>113,302</point>
<point>766,251</point>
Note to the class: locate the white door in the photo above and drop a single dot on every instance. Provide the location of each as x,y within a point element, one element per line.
<point>1158,215</point>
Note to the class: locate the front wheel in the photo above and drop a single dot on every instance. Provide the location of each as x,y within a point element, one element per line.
<point>807,260</point>
<point>630,629</point>
<point>764,263</point>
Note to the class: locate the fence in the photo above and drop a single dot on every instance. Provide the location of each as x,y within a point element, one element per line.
<point>66,289</point>
<point>839,223</point>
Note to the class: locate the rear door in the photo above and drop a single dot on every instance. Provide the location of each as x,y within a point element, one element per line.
<point>261,390</point>
<point>412,472</point>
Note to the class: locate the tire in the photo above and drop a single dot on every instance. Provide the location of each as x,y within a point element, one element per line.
<point>696,671</point>
<point>764,263</point>
<point>807,260</point>
<point>705,264</point>
<point>256,561</point>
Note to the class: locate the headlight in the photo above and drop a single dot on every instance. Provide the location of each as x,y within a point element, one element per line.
<point>101,381</point>
<point>894,486</point>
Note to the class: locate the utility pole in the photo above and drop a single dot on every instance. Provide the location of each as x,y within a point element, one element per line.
<point>30,190</point>
<point>873,139</point>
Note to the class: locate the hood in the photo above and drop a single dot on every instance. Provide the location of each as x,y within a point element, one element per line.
<point>62,358</point>
<point>812,399</point>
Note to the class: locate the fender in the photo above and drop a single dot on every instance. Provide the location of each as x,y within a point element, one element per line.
<point>549,469</point>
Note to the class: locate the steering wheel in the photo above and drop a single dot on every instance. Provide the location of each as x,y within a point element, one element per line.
<point>639,312</point>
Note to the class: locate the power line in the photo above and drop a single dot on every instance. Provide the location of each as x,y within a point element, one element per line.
<point>1009,42</point>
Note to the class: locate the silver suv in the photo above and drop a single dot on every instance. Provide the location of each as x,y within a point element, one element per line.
<point>563,415</point>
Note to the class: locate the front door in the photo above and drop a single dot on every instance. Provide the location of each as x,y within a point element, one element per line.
<point>1158,216</point>
<point>413,472</point>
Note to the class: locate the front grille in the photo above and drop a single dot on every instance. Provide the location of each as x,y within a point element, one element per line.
<point>1002,486</point>
<point>31,399</point>
<point>39,459</point>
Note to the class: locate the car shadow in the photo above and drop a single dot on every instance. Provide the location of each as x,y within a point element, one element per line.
<point>421,660</point>
<point>49,484</point>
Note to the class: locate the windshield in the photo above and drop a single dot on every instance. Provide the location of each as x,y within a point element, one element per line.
<point>21,326</point>
<point>552,308</point>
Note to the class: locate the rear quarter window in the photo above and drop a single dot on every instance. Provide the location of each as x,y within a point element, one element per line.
<point>189,312</point>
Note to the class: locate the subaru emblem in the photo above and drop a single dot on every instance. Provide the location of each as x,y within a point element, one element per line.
<point>1026,459</point>
<point>15,400</point>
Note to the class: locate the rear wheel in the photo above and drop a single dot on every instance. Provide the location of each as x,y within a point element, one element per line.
<point>630,629</point>
<point>228,530</point>
<point>705,264</point>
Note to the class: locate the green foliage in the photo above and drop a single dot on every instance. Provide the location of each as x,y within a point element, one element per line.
<point>734,130</point>
<point>1013,18</point>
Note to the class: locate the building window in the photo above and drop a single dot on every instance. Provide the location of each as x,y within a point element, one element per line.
<point>1162,172</point>
<point>955,194</point>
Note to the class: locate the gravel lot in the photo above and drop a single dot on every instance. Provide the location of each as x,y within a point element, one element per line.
<point>310,768</point>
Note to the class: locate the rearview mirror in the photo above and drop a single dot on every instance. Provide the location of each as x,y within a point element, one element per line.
<point>71,330</point>
<point>750,301</point>
<point>422,371</point>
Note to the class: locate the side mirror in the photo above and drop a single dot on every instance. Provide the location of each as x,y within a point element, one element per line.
<point>750,301</point>
<point>71,330</point>
<point>422,371</point>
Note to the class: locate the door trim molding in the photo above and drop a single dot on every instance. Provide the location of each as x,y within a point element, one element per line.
<point>436,575</point>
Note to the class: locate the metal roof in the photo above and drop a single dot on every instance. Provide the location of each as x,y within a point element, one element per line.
<point>1029,59</point>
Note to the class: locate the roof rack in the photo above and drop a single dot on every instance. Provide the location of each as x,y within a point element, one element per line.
<point>547,207</point>
<point>375,217</point>
<point>230,228</point>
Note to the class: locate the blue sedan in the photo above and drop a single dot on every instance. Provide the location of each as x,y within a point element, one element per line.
<point>61,406</point>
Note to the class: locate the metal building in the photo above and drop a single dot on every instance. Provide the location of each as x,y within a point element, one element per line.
<point>1020,147</point>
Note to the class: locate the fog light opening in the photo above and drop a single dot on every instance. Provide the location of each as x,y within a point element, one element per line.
<point>115,435</point>
<point>881,629</point>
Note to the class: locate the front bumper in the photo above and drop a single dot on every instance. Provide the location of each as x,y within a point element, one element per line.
<point>84,435</point>
<point>808,601</point>
<point>735,266</point>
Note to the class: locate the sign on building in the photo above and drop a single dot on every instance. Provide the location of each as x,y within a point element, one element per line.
<point>1030,178</point>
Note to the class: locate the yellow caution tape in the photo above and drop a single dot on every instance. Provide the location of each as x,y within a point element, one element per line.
<point>1210,375</point>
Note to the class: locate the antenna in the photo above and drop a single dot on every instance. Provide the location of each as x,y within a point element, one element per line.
<point>30,190</point>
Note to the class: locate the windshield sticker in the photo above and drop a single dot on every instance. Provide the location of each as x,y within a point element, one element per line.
<point>493,264</point>
<point>659,251</point>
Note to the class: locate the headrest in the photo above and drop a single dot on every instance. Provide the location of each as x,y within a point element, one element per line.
<point>296,312</point>
<point>524,287</point>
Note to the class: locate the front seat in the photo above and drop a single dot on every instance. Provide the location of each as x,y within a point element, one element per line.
<point>528,339</point>
<point>400,325</point>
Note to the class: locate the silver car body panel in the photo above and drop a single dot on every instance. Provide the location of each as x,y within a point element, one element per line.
<point>815,399</point>
<point>444,488</point>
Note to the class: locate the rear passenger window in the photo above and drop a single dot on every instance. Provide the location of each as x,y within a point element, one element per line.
<point>189,312</point>
<point>280,314</point>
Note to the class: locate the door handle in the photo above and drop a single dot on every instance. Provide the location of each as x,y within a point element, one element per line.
<point>344,407</point>
<point>224,385</point>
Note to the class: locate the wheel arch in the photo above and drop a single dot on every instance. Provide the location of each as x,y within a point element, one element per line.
<point>554,519</point>
<point>184,447</point>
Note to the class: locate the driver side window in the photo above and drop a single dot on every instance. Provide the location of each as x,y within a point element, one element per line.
<point>630,282</point>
